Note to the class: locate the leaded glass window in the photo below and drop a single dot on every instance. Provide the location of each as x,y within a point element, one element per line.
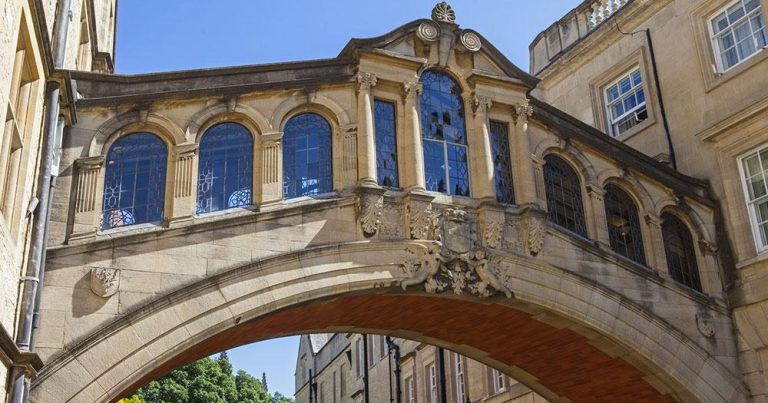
<point>386,143</point>
<point>502,164</point>
<point>134,182</point>
<point>306,156</point>
<point>225,169</point>
<point>681,257</point>
<point>444,135</point>
<point>563,190</point>
<point>623,224</point>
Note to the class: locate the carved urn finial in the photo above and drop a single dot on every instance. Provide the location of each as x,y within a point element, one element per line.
<point>443,13</point>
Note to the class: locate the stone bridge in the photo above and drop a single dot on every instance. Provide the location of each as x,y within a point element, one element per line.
<point>559,308</point>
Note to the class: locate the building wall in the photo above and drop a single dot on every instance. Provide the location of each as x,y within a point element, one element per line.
<point>713,118</point>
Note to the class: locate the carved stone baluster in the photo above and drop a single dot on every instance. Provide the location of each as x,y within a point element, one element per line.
<point>271,168</point>
<point>365,129</point>
<point>413,154</point>
<point>606,7</point>
<point>482,161</point>
<point>88,194</point>
<point>184,182</point>
<point>597,18</point>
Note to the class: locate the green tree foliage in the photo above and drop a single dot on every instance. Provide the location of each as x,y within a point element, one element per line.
<point>205,381</point>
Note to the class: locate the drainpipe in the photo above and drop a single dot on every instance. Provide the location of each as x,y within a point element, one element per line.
<point>311,386</point>
<point>398,387</point>
<point>34,275</point>
<point>365,368</point>
<point>441,359</point>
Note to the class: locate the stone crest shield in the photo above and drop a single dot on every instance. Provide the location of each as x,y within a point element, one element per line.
<point>456,231</point>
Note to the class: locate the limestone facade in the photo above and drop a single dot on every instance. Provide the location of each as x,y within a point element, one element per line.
<point>716,117</point>
<point>337,366</point>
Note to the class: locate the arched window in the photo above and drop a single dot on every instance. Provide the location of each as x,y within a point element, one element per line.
<point>564,195</point>
<point>225,168</point>
<point>623,224</point>
<point>444,135</point>
<point>134,183</point>
<point>306,156</point>
<point>681,257</point>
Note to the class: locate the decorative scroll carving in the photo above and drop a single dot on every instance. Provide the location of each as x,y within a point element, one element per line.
<point>422,220</point>
<point>428,32</point>
<point>522,112</point>
<point>365,81</point>
<point>468,273</point>
<point>369,208</point>
<point>535,233</point>
<point>471,41</point>
<point>442,12</point>
<point>104,281</point>
<point>705,324</point>
<point>492,234</point>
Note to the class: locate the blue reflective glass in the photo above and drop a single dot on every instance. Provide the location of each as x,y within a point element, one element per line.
<point>306,156</point>
<point>563,190</point>
<point>225,168</point>
<point>444,135</point>
<point>134,182</point>
<point>386,143</point>
<point>502,163</point>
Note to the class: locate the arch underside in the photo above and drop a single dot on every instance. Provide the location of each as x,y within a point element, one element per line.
<point>546,337</point>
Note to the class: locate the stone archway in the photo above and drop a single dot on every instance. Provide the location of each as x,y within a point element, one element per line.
<point>563,336</point>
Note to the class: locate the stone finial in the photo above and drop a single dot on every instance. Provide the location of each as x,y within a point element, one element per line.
<point>443,13</point>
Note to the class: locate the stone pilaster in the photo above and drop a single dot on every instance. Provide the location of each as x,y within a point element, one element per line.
<point>88,193</point>
<point>348,139</point>
<point>598,225</point>
<point>658,255</point>
<point>709,272</point>
<point>271,168</point>
<point>365,129</point>
<point>413,154</point>
<point>528,190</point>
<point>482,160</point>
<point>184,182</point>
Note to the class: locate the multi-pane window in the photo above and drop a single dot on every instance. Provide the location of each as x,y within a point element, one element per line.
<point>306,156</point>
<point>134,183</point>
<point>502,163</point>
<point>738,32</point>
<point>681,255</point>
<point>410,390</point>
<point>754,170</point>
<point>444,135</point>
<point>225,169</point>
<point>563,190</point>
<point>623,224</point>
<point>386,143</point>
<point>498,380</point>
<point>625,103</point>
<point>461,394</point>
<point>432,378</point>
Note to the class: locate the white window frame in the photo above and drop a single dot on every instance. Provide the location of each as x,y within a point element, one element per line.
<point>410,389</point>
<point>461,393</point>
<point>752,204</point>
<point>432,374</point>
<point>360,357</point>
<point>714,37</point>
<point>499,382</point>
<point>632,91</point>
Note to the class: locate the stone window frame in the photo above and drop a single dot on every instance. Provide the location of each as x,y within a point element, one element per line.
<point>577,170</point>
<point>638,59</point>
<point>750,204</point>
<point>459,378</point>
<point>397,110</point>
<point>431,391</point>
<point>701,21</point>
<point>639,237</point>
<point>498,381</point>
<point>700,265</point>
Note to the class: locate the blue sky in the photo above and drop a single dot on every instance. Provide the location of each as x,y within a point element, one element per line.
<point>166,35</point>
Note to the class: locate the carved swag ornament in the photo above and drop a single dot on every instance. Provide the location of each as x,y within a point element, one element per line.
<point>454,262</point>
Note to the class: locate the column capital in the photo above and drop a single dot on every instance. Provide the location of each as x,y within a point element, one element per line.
<point>521,112</point>
<point>90,162</point>
<point>481,104</point>
<point>365,81</point>
<point>411,91</point>
<point>273,137</point>
<point>653,220</point>
<point>185,150</point>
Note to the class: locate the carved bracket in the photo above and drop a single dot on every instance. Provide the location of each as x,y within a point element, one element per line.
<point>105,281</point>
<point>705,324</point>
<point>535,232</point>
<point>370,206</point>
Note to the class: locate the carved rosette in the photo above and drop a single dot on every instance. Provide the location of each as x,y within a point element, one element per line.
<point>471,41</point>
<point>428,32</point>
<point>535,233</point>
<point>705,324</point>
<point>105,281</point>
<point>442,12</point>
<point>370,207</point>
<point>437,272</point>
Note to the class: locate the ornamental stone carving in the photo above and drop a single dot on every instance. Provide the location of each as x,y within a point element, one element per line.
<point>428,32</point>
<point>471,41</point>
<point>442,12</point>
<point>365,81</point>
<point>535,234</point>
<point>522,112</point>
<point>469,273</point>
<point>705,324</point>
<point>492,234</point>
<point>104,281</point>
<point>422,220</point>
<point>369,210</point>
